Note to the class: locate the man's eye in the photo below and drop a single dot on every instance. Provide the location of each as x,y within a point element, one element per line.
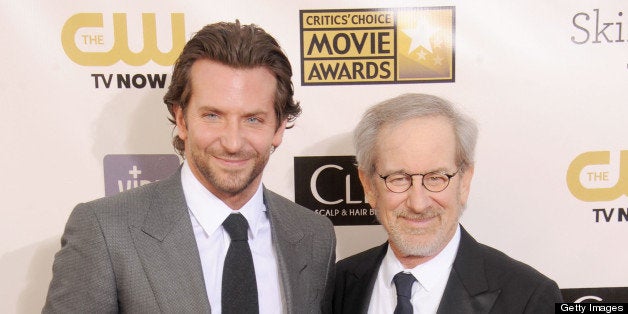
<point>434,178</point>
<point>210,116</point>
<point>254,120</point>
<point>398,180</point>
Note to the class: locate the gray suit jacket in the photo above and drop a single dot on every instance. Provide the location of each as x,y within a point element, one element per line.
<point>135,252</point>
<point>482,280</point>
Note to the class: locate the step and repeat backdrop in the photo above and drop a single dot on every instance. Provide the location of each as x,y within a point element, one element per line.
<point>547,82</point>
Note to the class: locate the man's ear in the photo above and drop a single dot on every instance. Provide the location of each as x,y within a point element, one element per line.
<point>369,192</point>
<point>465,184</point>
<point>278,137</point>
<point>179,118</point>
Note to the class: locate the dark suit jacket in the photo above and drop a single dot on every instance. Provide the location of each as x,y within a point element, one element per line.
<point>482,280</point>
<point>135,252</point>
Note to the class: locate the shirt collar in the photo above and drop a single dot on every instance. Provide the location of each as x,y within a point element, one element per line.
<point>210,211</point>
<point>428,273</point>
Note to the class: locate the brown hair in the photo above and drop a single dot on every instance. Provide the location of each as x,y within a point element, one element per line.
<point>238,46</point>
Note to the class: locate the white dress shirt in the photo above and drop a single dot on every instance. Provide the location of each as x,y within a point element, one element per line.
<point>427,291</point>
<point>207,214</point>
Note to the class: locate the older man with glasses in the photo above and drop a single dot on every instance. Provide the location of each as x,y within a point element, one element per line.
<point>415,161</point>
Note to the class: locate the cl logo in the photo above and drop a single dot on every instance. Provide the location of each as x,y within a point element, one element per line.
<point>318,197</point>
<point>590,176</point>
<point>120,49</point>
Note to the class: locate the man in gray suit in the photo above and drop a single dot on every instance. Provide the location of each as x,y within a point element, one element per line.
<point>162,247</point>
<point>415,162</point>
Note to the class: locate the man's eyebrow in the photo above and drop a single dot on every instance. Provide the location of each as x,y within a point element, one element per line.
<point>404,171</point>
<point>257,113</point>
<point>440,170</point>
<point>246,113</point>
<point>208,108</point>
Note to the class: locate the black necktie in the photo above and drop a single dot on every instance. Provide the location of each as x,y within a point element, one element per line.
<point>403,283</point>
<point>239,288</point>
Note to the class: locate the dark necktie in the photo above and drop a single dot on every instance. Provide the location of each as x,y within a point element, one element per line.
<point>239,288</point>
<point>403,283</point>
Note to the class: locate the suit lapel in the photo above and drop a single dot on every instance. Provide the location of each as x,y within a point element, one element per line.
<point>467,289</point>
<point>167,249</point>
<point>293,248</point>
<point>360,281</point>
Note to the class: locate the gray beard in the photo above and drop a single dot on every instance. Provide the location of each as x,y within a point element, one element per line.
<point>407,246</point>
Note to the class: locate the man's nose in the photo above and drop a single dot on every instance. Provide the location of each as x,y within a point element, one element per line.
<point>231,137</point>
<point>418,197</point>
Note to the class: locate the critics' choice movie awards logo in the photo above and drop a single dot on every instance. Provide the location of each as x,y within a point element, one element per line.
<point>330,186</point>
<point>97,39</point>
<point>125,172</point>
<point>600,176</point>
<point>400,45</point>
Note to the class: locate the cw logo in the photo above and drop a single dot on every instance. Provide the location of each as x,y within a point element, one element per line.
<point>591,174</point>
<point>120,49</point>
<point>588,298</point>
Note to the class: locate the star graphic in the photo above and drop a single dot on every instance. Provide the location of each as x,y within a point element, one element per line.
<point>438,60</point>
<point>421,35</point>
<point>421,55</point>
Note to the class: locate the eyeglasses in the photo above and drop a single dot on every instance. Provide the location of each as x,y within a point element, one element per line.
<point>433,181</point>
